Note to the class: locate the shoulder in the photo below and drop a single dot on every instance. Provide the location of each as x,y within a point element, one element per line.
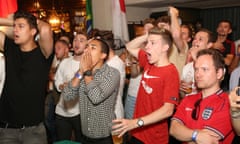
<point>236,71</point>
<point>189,64</point>
<point>224,95</point>
<point>116,62</point>
<point>191,98</point>
<point>66,60</point>
<point>229,41</point>
<point>171,69</point>
<point>111,69</point>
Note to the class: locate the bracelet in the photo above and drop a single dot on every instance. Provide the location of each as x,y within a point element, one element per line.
<point>194,135</point>
<point>78,75</point>
<point>235,114</point>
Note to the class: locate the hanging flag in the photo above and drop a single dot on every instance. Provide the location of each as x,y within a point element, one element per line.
<point>120,29</point>
<point>7,7</point>
<point>89,17</point>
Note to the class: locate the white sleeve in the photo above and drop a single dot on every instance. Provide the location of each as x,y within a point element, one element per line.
<point>59,76</point>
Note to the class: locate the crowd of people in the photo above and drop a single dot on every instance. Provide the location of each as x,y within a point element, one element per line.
<point>181,88</point>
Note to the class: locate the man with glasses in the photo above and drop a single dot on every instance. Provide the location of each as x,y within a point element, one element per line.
<point>204,117</point>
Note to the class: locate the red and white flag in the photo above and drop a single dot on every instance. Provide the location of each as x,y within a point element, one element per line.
<point>120,29</point>
<point>7,7</point>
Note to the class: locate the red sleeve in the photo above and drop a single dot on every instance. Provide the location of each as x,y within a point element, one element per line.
<point>181,114</point>
<point>233,48</point>
<point>171,89</point>
<point>142,58</point>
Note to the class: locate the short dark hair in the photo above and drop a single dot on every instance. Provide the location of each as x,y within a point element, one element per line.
<point>190,30</point>
<point>163,19</point>
<point>226,21</point>
<point>31,19</point>
<point>211,36</point>
<point>149,21</point>
<point>63,42</point>
<point>107,36</point>
<point>104,46</point>
<point>217,57</point>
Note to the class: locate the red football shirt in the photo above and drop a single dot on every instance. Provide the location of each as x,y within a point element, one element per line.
<point>158,85</point>
<point>213,114</point>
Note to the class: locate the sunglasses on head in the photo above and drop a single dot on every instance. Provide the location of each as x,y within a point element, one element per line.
<point>101,40</point>
<point>195,111</point>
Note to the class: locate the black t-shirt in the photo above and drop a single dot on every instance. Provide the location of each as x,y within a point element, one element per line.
<point>23,96</point>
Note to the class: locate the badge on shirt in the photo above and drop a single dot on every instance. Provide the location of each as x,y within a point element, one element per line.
<point>207,112</point>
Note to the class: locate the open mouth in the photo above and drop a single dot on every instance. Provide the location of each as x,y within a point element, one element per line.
<point>196,46</point>
<point>16,36</point>
<point>76,47</point>
<point>149,56</point>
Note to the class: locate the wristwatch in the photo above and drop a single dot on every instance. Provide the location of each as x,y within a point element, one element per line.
<point>140,122</point>
<point>87,73</point>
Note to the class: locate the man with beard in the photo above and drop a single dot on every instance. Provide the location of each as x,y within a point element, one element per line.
<point>68,113</point>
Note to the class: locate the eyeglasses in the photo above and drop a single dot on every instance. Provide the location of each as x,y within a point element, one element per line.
<point>195,111</point>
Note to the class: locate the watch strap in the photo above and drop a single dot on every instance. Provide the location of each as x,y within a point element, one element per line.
<point>87,73</point>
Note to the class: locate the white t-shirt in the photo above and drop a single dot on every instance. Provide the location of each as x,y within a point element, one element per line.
<point>65,72</point>
<point>134,85</point>
<point>188,71</point>
<point>234,78</point>
<point>118,64</point>
<point>2,72</point>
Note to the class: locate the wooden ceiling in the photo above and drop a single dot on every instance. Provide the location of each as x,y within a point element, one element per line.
<point>66,5</point>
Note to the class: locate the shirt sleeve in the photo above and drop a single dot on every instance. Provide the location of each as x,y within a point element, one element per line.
<point>59,76</point>
<point>233,48</point>
<point>142,58</point>
<point>171,90</point>
<point>181,115</point>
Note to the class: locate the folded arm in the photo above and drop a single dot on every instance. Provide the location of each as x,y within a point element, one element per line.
<point>183,133</point>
